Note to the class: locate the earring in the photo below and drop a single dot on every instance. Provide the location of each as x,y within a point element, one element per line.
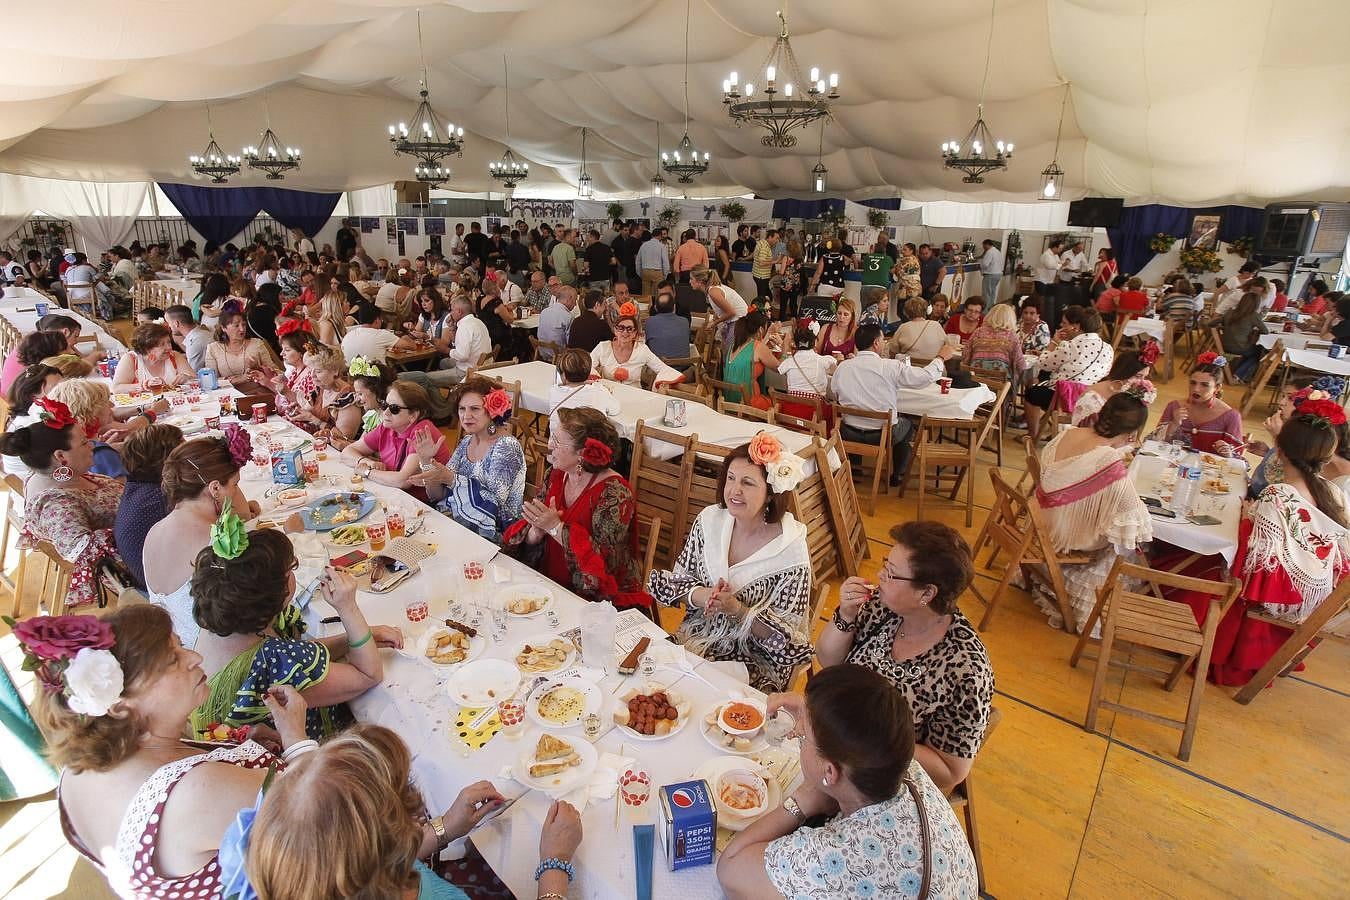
<point>824,782</point>
<point>492,428</point>
<point>62,474</point>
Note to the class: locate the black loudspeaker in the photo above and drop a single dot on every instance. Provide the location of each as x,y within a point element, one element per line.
<point>1096,212</point>
<point>1310,230</point>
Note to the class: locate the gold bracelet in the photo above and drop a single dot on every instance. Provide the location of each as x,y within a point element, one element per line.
<point>551,895</point>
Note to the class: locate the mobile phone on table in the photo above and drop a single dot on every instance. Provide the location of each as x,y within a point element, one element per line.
<point>1202,520</point>
<point>1162,511</point>
<point>386,572</point>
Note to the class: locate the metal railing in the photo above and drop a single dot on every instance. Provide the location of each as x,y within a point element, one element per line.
<point>44,233</point>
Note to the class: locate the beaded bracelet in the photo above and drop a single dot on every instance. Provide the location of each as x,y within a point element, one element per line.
<point>553,862</point>
<point>551,895</point>
<point>840,623</point>
<point>370,633</point>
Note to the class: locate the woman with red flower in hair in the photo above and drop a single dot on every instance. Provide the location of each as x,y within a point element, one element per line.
<point>64,503</point>
<point>482,487</point>
<point>1293,546</point>
<point>1203,420</point>
<point>582,532</point>
<point>298,394</point>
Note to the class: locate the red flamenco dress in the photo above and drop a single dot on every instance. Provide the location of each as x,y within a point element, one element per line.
<point>1290,557</point>
<point>596,554</point>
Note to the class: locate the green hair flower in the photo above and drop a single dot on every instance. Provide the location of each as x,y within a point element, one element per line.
<point>228,536</point>
<point>362,366</point>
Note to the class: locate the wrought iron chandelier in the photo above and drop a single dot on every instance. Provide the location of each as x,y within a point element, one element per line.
<point>510,170</point>
<point>585,187</point>
<point>1052,176</point>
<point>979,153</point>
<point>683,163</point>
<point>780,109</point>
<point>658,184</point>
<point>270,155</point>
<point>818,171</point>
<point>422,138</point>
<point>214,162</point>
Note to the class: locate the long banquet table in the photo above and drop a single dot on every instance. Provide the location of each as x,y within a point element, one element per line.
<point>1153,473</point>
<point>413,701</point>
<point>20,311</point>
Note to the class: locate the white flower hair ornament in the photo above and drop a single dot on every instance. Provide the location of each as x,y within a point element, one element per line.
<point>783,470</point>
<point>94,682</point>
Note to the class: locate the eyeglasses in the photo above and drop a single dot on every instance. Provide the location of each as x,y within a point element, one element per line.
<point>624,329</point>
<point>887,574</point>
<point>394,409</point>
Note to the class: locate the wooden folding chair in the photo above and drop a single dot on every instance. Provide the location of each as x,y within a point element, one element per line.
<point>794,410</point>
<point>691,366</point>
<point>488,364</point>
<point>962,799</point>
<point>652,525</point>
<point>719,388</point>
<point>82,297</point>
<point>1302,641</point>
<point>795,423</point>
<point>695,393</point>
<point>1265,370</point>
<point>953,459</point>
<point>542,347</point>
<point>10,529</point>
<point>812,617</point>
<point>56,574</point>
<point>1149,620</point>
<point>841,499</point>
<point>1033,463</point>
<point>997,381</point>
<point>1015,529</point>
<point>744,411</point>
<point>661,487</point>
<point>877,455</point>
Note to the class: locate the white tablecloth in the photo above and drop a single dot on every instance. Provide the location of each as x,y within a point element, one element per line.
<point>1154,328</point>
<point>1296,340</point>
<point>960,403</point>
<point>1318,361</point>
<point>21,314</point>
<point>1147,472</point>
<point>412,701</point>
<point>537,379</point>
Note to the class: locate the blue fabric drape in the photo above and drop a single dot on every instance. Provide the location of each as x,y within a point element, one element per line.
<point>221,213</point>
<point>1138,225</point>
<point>811,209</point>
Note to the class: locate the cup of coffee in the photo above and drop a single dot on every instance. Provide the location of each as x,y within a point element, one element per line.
<point>944,385</point>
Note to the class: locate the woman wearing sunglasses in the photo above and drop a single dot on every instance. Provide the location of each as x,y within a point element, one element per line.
<point>624,359</point>
<point>385,453</point>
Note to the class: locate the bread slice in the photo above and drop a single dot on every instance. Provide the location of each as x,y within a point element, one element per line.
<point>541,770</point>
<point>550,748</point>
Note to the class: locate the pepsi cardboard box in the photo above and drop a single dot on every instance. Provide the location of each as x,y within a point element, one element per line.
<point>689,824</point>
<point>287,467</point>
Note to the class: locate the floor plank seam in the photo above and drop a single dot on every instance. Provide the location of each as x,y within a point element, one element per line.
<point>1327,688</point>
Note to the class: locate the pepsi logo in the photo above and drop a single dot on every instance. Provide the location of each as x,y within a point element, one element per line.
<point>682,798</point>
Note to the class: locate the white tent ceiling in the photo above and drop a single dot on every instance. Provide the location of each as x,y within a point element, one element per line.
<point>1182,101</point>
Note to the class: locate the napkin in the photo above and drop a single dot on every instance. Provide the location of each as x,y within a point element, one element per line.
<point>601,786</point>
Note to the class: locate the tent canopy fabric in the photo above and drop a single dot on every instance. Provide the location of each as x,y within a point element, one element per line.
<point>1189,103</point>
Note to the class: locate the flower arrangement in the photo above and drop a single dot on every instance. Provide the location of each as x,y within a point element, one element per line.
<point>72,656</point>
<point>1197,260</point>
<point>1324,411</point>
<point>1161,242</point>
<point>1242,246</point>
<point>878,218</point>
<point>732,211</point>
<point>783,470</point>
<point>238,444</point>
<point>229,538</point>
<point>54,414</point>
<point>614,210</point>
<point>1142,390</point>
<point>596,452</point>
<point>1149,352</point>
<point>669,214</point>
<point>836,217</point>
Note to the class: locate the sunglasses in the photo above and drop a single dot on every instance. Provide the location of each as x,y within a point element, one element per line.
<point>394,409</point>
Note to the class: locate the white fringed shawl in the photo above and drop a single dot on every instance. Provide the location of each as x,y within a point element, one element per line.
<point>1290,534</point>
<point>1088,501</point>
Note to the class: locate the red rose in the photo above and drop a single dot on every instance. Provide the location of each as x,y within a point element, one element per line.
<point>596,453</point>
<point>61,637</point>
<point>497,403</point>
<point>55,414</point>
<point>621,374</point>
<point>1304,515</point>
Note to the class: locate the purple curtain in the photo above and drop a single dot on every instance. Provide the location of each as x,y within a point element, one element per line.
<point>1138,225</point>
<point>221,213</point>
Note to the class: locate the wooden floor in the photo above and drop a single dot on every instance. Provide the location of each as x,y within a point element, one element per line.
<point>1260,810</point>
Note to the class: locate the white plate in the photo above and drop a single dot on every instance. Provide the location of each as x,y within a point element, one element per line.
<point>477,644</point>
<point>564,781</point>
<point>620,700</point>
<point>732,820</point>
<point>542,640</point>
<point>715,736</point>
<point>592,701</point>
<point>483,682</point>
<point>530,590</point>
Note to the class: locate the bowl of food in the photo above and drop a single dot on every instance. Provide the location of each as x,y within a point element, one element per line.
<point>741,718</point>
<point>526,601</point>
<point>741,792</point>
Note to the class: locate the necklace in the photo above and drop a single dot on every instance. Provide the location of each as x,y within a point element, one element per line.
<point>941,621</point>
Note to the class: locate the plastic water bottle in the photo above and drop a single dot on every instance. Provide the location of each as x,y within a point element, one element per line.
<point>1188,483</point>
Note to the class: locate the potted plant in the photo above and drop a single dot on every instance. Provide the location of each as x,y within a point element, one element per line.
<point>669,214</point>
<point>1161,242</point>
<point>1242,246</point>
<point>732,211</point>
<point>614,210</point>
<point>1197,260</point>
<point>878,218</point>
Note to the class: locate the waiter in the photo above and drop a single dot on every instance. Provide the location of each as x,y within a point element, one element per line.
<point>1047,279</point>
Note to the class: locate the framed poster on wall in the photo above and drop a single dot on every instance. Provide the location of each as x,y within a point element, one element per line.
<point>1204,233</point>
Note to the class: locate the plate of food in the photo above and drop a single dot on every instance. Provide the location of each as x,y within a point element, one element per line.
<point>562,703</point>
<point>442,646</point>
<point>1215,486</point>
<point>483,682</point>
<point>291,496</point>
<point>525,601</point>
<point>137,398</point>
<point>348,535</point>
<point>544,653</point>
<point>730,726</point>
<point>652,713</point>
<point>741,790</point>
<point>340,508</point>
<point>555,764</point>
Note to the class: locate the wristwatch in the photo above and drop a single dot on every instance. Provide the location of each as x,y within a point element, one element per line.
<point>791,808</point>
<point>437,824</point>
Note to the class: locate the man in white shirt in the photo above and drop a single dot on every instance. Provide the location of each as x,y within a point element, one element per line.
<point>555,322</point>
<point>192,337</point>
<point>653,262</point>
<point>373,341</point>
<point>991,272</point>
<point>512,295</point>
<point>871,381</point>
<point>1047,281</point>
<point>471,341</point>
<point>1074,265</point>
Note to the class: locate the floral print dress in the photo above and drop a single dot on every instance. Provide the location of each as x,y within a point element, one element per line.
<point>488,494</point>
<point>79,524</point>
<point>305,389</point>
<point>877,852</point>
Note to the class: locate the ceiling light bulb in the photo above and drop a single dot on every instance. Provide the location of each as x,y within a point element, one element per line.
<point>787,89</point>
<point>770,73</point>
<point>834,79</point>
<point>749,89</point>
<point>1049,189</point>
<point>734,78</point>
<point>815,73</point>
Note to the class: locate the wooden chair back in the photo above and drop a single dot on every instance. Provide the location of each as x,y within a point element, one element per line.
<point>10,527</point>
<point>1015,530</point>
<point>80,295</point>
<point>691,366</point>
<point>695,393</point>
<point>744,411</point>
<point>954,459</point>
<point>876,456</point>
<point>997,381</point>
<point>1272,361</point>
<point>56,574</point>
<point>719,388</point>
<point>841,499</point>
<point>1145,618</point>
<point>545,350</point>
<point>486,364</point>
<point>810,504</point>
<point>802,406</point>
<point>661,486</point>
<point>652,526</point>
<point>1302,640</point>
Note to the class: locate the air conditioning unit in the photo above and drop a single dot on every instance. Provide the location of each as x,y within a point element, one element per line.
<point>1308,230</point>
